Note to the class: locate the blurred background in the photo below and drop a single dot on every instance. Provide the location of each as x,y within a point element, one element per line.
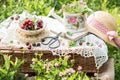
<point>42,7</point>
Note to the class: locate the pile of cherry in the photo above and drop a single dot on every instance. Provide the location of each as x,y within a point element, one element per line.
<point>31,25</point>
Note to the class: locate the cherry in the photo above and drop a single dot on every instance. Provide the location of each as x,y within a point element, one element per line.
<point>38,44</point>
<point>27,43</point>
<point>34,44</point>
<point>43,40</point>
<point>30,23</point>
<point>88,43</point>
<point>22,27</point>
<point>21,47</point>
<point>37,28</point>
<point>12,18</point>
<point>40,22</point>
<point>41,26</point>
<point>16,18</point>
<point>29,47</point>
<point>80,43</point>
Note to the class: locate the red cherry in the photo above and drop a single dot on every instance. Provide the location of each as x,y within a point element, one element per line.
<point>88,43</point>
<point>33,25</point>
<point>80,43</point>
<point>23,27</point>
<point>29,47</point>
<point>30,23</point>
<point>38,44</point>
<point>41,26</point>
<point>21,47</point>
<point>25,24</point>
<point>16,18</point>
<point>12,18</point>
<point>34,44</point>
<point>27,43</point>
<point>40,22</point>
<point>38,28</point>
<point>43,40</point>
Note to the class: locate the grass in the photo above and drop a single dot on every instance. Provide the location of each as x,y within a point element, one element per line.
<point>42,7</point>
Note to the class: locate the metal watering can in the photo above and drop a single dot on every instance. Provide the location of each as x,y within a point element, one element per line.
<point>75,24</point>
<point>71,21</point>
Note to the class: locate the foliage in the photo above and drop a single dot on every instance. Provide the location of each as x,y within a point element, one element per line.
<point>72,44</point>
<point>38,7</point>
<point>42,7</point>
<point>97,4</point>
<point>9,69</point>
<point>75,7</point>
<point>57,69</point>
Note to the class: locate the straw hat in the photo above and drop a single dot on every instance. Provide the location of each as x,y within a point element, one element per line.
<point>104,26</point>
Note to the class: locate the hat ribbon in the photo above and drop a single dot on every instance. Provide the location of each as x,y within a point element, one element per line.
<point>112,35</point>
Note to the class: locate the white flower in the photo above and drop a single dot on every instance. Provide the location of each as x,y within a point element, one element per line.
<point>26,75</point>
<point>95,74</point>
<point>79,68</point>
<point>56,64</point>
<point>61,74</point>
<point>64,78</point>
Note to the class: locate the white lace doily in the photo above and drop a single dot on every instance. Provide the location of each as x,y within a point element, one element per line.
<point>87,46</point>
<point>91,46</point>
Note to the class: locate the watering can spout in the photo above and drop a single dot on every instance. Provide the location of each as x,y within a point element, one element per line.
<point>51,13</point>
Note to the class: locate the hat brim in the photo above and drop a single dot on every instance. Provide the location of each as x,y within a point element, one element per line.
<point>103,36</point>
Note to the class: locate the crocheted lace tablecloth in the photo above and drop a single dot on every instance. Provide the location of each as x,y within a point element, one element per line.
<point>88,46</point>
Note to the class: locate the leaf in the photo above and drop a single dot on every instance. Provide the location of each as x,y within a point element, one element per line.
<point>12,63</point>
<point>18,63</point>
<point>11,42</point>
<point>86,77</point>
<point>12,73</point>
<point>69,33</point>
<point>72,44</point>
<point>7,62</point>
<point>3,71</point>
<point>73,77</point>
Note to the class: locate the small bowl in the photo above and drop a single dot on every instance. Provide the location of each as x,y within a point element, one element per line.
<point>30,32</point>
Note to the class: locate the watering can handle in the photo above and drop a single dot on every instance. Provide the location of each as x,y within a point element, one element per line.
<point>51,13</point>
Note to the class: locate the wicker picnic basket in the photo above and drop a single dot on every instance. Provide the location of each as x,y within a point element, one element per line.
<point>88,67</point>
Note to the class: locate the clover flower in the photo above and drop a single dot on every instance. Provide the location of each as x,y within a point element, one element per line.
<point>26,75</point>
<point>64,78</point>
<point>67,56</point>
<point>79,68</point>
<point>48,66</point>
<point>56,64</point>
<point>95,74</point>
<point>62,74</point>
<point>72,61</point>
<point>70,70</point>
